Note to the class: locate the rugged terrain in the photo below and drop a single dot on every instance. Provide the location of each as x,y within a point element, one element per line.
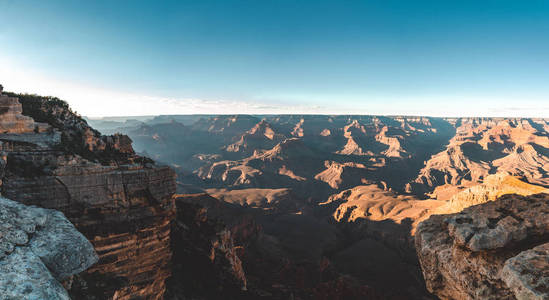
<point>39,249</point>
<point>496,250</point>
<point>271,207</point>
<point>339,191</point>
<point>120,201</point>
<point>325,190</point>
<point>415,154</point>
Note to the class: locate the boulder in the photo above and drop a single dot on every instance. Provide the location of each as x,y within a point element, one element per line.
<point>38,249</point>
<point>496,250</point>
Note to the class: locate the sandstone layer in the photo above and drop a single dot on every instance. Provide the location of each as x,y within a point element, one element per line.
<point>484,146</point>
<point>492,187</point>
<point>370,202</point>
<point>120,201</point>
<point>11,119</point>
<point>496,250</point>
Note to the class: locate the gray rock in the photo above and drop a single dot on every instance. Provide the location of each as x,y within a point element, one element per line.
<point>63,249</point>
<point>38,248</point>
<point>528,273</point>
<point>24,276</point>
<point>496,250</point>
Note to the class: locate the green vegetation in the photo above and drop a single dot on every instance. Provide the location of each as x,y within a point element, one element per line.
<point>47,109</point>
<point>75,131</point>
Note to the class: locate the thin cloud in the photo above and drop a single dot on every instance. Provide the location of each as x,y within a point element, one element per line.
<point>100,102</point>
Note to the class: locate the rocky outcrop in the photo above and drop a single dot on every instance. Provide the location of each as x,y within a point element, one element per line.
<point>527,274</point>
<point>370,202</point>
<point>205,264</point>
<point>232,251</point>
<point>38,249</point>
<point>338,174</point>
<point>120,201</point>
<point>264,198</point>
<point>76,136</point>
<point>12,120</point>
<point>497,250</point>
<point>484,146</point>
<point>491,188</point>
<point>125,211</point>
<point>392,140</point>
<point>263,166</point>
<point>261,136</point>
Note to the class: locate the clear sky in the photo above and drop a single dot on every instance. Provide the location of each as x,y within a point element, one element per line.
<point>441,58</point>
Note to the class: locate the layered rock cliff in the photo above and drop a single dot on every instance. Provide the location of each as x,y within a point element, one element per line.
<point>205,263</point>
<point>265,235</point>
<point>491,188</point>
<point>39,248</point>
<point>11,119</point>
<point>484,146</point>
<point>120,201</point>
<point>496,250</point>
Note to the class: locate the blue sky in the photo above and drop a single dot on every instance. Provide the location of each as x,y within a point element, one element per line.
<point>442,58</point>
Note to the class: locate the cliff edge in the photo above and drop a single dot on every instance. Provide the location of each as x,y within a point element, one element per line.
<point>496,250</point>
<point>120,201</point>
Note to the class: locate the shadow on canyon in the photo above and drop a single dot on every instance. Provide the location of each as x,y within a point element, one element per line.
<point>290,254</point>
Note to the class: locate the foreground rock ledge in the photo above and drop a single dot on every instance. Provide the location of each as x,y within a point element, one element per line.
<point>39,248</point>
<point>496,250</point>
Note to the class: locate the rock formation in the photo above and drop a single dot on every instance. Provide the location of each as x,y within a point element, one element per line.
<point>261,136</point>
<point>492,187</point>
<point>339,175</point>
<point>120,201</point>
<point>485,146</point>
<point>11,119</point>
<point>391,138</point>
<point>227,126</point>
<point>39,248</point>
<point>264,198</point>
<point>496,250</point>
<point>264,166</point>
<point>205,263</point>
<point>369,202</point>
<point>239,260</point>
<point>265,234</point>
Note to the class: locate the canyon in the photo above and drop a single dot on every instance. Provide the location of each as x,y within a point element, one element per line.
<point>277,206</point>
<point>340,197</point>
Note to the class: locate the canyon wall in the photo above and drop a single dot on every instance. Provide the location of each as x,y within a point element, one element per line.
<point>120,201</point>
<point>205,263</point>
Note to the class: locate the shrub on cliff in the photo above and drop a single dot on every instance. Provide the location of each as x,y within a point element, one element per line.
<point>77,136</point>
<point>48,109</point>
